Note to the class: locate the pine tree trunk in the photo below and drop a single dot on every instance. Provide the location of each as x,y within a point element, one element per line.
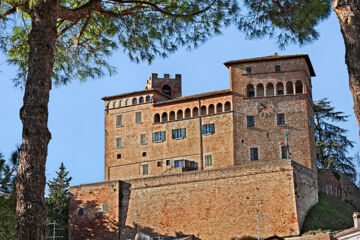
<point>30,180</point>
<point>348,12</point>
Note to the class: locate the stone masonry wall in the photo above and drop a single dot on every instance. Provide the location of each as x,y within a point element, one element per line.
<point>214,204</point>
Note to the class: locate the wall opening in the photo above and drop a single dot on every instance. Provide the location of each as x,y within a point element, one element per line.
<point>195,112</point>
<point>166,89</point>
<point>279,88</point>
<point>289,88</point>
<point>164,117</point>
<point>298,87</point>
<point>172,115</point>
<point>211,109</point>
<point>188,113</point>
<point>180,114</point>
<point>219,108</point>
<point>157,118</point>
<point>250,91</point>
<point>203,110</point>
<point>260,90</point>
<point>269,89</point>
<point>227,106</point>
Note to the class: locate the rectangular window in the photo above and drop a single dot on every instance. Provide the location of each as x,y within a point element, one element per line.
<point>145,169</point>
<point>167,162</point>
<point>208,129</point>
<point>280,119</point>
<point>118,142</point>
<point>277,68</point>
<point>283,152</point>
<point>159,136</point>
<point>280,92</point>
<point>144,154</point>
<point>179,133</point>
<point>81,211</point>
<point>105,208</point>
<point>250,121</point>
<point>143,139</point>
<point>118,156</point>
<point>159,164</point>
<point>248,70</point>
<point>254,154</point>
<point>179,163</point>
<point>138,117</point>
<point>118,120</point>
<point>208,160</point>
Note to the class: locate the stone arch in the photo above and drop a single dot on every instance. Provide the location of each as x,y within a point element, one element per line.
<point>211,109</point>
<point>141,100</point>
<point>260,90</point>
<point>250,91</point>
<point>280,88</point>
<point>227,106</point>
<point>166,89</point>
<point>148,98</point>
<point>298,87</point>
<point>114,104</point>
<point>187,113</point>
<point>269,89</point>
<point>123,103</point>
<point>195,111</point>
<point>289,88</point>
<point>180,114</point>
<point>219,108</point>
<point>164,117</point>
<point>134,101</point>
<point>203,110</point>
<point>172,115</point>
<point>157,118</point>
<point>127,102</point>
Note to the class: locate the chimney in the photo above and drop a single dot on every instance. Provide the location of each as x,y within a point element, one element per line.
<point>356,217</point>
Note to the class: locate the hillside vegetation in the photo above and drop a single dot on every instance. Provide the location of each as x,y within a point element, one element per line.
<point>329,214</point>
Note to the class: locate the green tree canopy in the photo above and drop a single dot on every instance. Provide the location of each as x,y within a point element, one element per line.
<point>58,201</point>
<point>332,143</point>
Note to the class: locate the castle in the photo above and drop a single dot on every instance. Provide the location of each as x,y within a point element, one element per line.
<point>217,165</point>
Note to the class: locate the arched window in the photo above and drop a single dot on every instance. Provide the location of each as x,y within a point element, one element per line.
<point>141,100</point>
<point>172,115</point>
<point>211,109</point>
<point>134,101</point>
<point>123,103</point>
<point>107,105</point>
<point>219,108</point>
<point>298,87</point>
<point>269,89</point>
<point>289,88</point>
<point>279,88</point>
<point>227,106</point>
<point>127,102</point>
<point>250,91</point>
<point>148,98</point>
<point>203,110</point>
<point>260,90</point>
<point>157,118</point>
<point>164,117</point>
<point>195,112</point>
<point>180,114</point>
<point>166,89</point>
<point>187,113</point>
<point>114,104</point>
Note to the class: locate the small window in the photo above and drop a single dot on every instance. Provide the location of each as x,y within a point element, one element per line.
<point>159,136</point>
<point>134,101</point>
<point>250,121</point>
<point>167,162</point>
<point>118,142</point>
<point>277,68</point>
<point>280,119</point>
<point>144,154</point>
<point>157,118</point>
<point>138,117</point>
<point>141,100</point>
<point>145,169</point>
<point>248,70</point>
<point>105,208</point>
<point>81,211</point>
<point>143,139</point>
<point>118,156</point>
<point>179,133</point>
<point>118,120</point>
<point>284,152</point>
<point>164,117</point>
<point>148,98</point>
<point>208,129</point>
<point>208,160</point>
<point>158,164</point>
<point>178,163</point>
<point>254,154</point>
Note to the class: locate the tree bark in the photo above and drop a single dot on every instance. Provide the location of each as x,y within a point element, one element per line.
<point>30,180</point>
<point>348,12</point>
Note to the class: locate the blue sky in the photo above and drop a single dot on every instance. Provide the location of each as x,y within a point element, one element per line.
<point>76,111</point>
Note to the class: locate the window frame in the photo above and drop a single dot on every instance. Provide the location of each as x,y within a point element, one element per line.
<point>118,146</point>
<point>105,207</point>
<point>283,152</point>
<point>208,129</point>
<point>251,153</point>
<point>248,70</point>
<point>145,169</point>
<point>282,123</point>
<point>208,160</point>
<point>159,136</point>
<point>118,116</point>
<point>277,68</point>
<point>138,113</point>
<point>248,121</point>
<point>143,137</point>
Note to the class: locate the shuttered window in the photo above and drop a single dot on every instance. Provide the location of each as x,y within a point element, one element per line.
<point>254,154</point>
<point>138,117</point>
<point>208,129</point>
<point>118,142</point>
<point>143,139</point>
<point>250,121</point>
<point>145,169</point>
<point>179,133</point>
<point>118,120</point>
<point>159,136</point>
<point>208,160</point>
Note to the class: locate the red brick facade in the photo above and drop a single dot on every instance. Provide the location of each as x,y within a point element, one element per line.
<point>201,164</point>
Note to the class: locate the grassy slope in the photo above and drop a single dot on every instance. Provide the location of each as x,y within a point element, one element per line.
<point>329,213</point>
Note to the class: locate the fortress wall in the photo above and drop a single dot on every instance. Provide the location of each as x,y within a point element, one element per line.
<point>306,190</point>
<point>214,204</point>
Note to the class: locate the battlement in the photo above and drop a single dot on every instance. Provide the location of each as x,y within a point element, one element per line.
<point>169,86</point>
